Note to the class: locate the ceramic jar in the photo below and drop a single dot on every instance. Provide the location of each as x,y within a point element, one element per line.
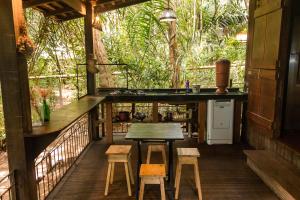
<point>222,75</point>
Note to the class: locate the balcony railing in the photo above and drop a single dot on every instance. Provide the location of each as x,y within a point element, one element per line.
<point>53,163</point>
<point>7,185</point>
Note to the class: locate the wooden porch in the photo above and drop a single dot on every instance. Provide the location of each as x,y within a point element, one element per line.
<point>65,158</point>
<point>223,170</point>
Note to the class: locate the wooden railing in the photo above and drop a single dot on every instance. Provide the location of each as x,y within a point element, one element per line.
<point>7,185</point>
<point>53,163</point>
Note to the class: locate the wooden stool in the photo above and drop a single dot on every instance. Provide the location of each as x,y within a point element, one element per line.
<point>152,174</point>
<point>157,148</point>
<point>119,154</point>
<point>187,156</point>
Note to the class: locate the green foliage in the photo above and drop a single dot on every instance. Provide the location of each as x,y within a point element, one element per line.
<point>205,33</point>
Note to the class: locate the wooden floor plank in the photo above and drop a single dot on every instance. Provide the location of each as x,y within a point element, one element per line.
<point>223,171</point>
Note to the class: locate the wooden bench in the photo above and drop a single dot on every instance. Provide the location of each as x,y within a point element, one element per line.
<point>119,154</point>
<point>152,174</point>
<point>281,176</point>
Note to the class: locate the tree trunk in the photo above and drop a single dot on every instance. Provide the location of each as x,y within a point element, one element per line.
<point>173,56</point>
<point>106,78</point>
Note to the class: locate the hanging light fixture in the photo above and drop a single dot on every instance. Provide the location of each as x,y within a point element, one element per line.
<point>168,15</point>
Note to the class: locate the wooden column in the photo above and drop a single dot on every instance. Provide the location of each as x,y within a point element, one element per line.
<point>237,121</point>
<point>155,112</point>
<point>108,122</point>
<point>16,100</point>
<point>102,117</point>
<point>202,113</point>
<point>91,83</point>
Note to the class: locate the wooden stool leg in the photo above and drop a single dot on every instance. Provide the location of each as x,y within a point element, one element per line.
<point>149,154</point>
<point>162,189</point>
<point>107,179</point>
<point>178,181</point>
<point>112,173</point>
<point>164,156</point>
<point>197,180</point>
<point>142,188</point>
<point>127,178</point>
<point>130,171</point>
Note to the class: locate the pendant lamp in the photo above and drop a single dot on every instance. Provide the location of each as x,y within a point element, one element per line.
<point>168,15</point>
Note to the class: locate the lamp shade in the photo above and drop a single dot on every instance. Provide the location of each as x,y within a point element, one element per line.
<point>168,15</point>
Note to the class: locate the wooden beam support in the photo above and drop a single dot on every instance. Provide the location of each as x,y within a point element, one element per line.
<point>202,115</point>
<point>16,100</point>
<point>237,122</point>
<point>33,3</point>
<point>58,11</point>
<point>109,6</point>
<point>108,123</point>
<point>91,82</point>
<point>77,5</point>
<point>155,112</point>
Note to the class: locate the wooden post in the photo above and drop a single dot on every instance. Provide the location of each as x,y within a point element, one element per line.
<point>202,110</point>
<point>102,117</point>
<point>237,121</point>
<point>108,122</point>
<point>91,83</point>
<point>155,112</point>
<point>16,100</point>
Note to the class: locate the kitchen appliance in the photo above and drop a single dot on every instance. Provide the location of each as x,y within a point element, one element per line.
<point>220,121</point>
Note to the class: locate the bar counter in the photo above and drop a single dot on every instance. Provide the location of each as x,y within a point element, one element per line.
<point>173,96</point>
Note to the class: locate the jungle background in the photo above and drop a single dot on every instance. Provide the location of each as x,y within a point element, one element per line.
<point>156,52</point>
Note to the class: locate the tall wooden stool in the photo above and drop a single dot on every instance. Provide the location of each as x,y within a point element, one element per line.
<point>187,156</point>
<point>157,148</point>
<point>152,174</point>
<point>119,154</point>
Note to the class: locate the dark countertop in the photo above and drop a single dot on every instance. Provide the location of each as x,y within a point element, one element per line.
<point>155,131</point>
<point>62,118</point>
<point>171,95</point>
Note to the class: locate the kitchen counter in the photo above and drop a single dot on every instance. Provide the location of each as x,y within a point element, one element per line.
<point>169,95</point>
<point>173,96</point>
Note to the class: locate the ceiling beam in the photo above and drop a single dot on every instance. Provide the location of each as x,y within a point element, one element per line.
<point>113,5</point>
<point>33,3</point>
<point>77,5</point>
<point>58,11</point>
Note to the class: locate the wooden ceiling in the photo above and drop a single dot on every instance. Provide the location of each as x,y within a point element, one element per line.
<point>109,5</point>
<point>63,10</point>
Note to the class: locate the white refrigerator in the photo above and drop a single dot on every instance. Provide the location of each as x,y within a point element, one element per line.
<point>220,121</point>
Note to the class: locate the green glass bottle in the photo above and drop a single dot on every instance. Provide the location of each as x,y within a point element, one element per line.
<point>46,111</point>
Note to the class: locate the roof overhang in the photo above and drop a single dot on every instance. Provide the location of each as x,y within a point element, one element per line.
<point>109,5</point>
<point>63,10</point>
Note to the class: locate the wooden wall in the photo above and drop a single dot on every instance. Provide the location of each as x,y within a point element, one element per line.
<point>262,64</point>
<point>266,68</point>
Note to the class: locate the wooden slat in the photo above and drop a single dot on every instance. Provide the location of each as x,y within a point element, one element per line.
<point>155,112</point>
<point>237,121</point>
<point>267,6</point>
<point>113,5</point>
<point>33,3</point>
<point>77,5</point>
<point>202,115</point>
<point>108,122</point>
<point>58,11</point>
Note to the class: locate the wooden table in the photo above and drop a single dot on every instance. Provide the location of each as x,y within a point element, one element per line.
<point>147,132</point>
